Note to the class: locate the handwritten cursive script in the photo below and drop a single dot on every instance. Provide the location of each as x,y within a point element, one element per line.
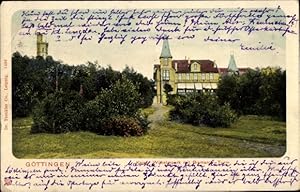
<point>138,26</point>
<point>144,174</point>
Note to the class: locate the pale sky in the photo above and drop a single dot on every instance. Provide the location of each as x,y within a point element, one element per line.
<point>143,57</point>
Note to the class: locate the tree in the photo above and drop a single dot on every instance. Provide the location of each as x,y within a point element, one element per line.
<point>30,82</point>
<point>144,86</point>
<point>58,112</point>
<point>229,91</point>
<point>272,91</point>
<point>249,91</point>
<point>256,92</point>
<point>168,88</point>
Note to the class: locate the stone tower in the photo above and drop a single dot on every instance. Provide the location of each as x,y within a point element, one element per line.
<point>166,73</point>
<point>41,46</point>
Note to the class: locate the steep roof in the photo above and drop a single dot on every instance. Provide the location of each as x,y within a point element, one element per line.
<point>232,65</point>
<point>224,71</point>
<point>165,52</point>
<point>183,66</point>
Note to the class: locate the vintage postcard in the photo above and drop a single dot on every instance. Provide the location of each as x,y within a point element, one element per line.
<point>150,96</point>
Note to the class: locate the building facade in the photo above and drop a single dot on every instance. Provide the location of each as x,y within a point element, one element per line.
<point>183,75</point>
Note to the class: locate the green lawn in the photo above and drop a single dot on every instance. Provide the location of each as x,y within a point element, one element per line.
<point>249,137</point>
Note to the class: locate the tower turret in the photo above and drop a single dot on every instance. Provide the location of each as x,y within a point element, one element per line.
<point>166,73</point>
<point>232,68</point>
<point>165,52</point>
<point>41,46</point>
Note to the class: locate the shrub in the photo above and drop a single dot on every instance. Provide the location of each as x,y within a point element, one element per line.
<point>143,121</point>
<point>93,114</point>
<point>202,109</point>
<point>172,99</point>
<point>222,116</point>
<point>113,112</point>
<point>122,126</point>
<point>58,113</point>
<point>118,101</point>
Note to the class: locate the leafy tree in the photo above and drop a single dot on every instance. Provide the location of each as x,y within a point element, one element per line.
<point>229,91</point>
<point>168,88</point>
<point>115,104</point>
<point>59,112</point>
<point>29,82</point>
<point>143,85</point>
<point>249,91</point>
<point>258,92</point>
<point>272,91</point>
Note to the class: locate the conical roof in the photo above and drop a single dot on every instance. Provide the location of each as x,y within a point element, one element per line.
<point>232,65</point>
<point>165,52</point>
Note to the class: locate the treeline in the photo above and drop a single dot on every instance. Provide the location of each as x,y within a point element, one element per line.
<point>65,98</point>
<point>256,92</point>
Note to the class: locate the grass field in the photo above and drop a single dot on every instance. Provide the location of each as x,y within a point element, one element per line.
<point>249,137</point>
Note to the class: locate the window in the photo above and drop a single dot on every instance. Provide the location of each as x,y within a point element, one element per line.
<point>216,76</point>
<point>195,67</point>
<point>203,76</point>
<point>195,76</point>
<point>165,61</point>
<point>211,76</point>
<point>207,76</point>
<point>180,91</point>
<point>179,76</point>
<point>187,76</point>
<point>166,75</point>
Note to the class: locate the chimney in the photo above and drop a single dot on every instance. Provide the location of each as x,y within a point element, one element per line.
<point>189,61</point>
<point>175,66</point>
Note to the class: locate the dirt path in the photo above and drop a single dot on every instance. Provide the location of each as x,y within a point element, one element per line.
<point>159,116</point>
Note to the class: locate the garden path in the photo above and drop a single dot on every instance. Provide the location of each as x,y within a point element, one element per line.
<point>159,115</point>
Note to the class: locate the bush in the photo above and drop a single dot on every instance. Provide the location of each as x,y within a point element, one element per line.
<point>58,113</point>
<point>113,112</point>
<point>222,116</point>
<point>97,119</point>
<point>202,109</point>
<point>143,121</point>
<point>172,99</point>
<point>118,101</point>
<point>122,126</point>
